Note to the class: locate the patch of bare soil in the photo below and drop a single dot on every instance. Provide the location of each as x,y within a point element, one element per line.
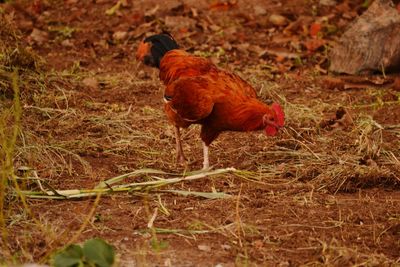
<point>324,192</point>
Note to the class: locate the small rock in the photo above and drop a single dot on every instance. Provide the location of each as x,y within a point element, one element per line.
<point>215,27</point>
<point>227,46</point>
<point>91,82</point>
<point>167,262</point>
<point>371,163</point>
<point>327,2</point>
<point>226,247</point>
<point>258,244</point>
<point>39,36</point>
<point>369,43</point>
<point>67,43</point>
<point>259,10</point>
<point>277,20</point>
<point>204,248</point>
<point>120,35</point>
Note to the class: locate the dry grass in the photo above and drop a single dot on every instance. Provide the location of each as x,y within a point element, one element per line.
<point>65,128</point>
<point>334,160</point>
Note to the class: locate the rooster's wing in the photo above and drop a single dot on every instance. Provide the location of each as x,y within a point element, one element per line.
<point>191,98</point>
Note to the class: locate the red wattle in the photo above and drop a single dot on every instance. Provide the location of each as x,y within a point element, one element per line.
<point>270,130</point>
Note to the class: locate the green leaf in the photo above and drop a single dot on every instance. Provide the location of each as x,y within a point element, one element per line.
<point>98,252</point>
<point>71,256</point>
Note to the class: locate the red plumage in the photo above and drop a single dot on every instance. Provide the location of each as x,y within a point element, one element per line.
<point>197,92</point>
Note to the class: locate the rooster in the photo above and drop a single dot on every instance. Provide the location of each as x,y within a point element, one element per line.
<point>197,92</point>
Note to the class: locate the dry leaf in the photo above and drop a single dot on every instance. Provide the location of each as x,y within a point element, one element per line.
<point>179,22</point>
<point>143,28</point>
<point>223,6</point>
<point>333,83</point>
<point>194,11</point>
<point>342,120</point>
<point>152,12</point>
<point>280,53</point>
<point>298,24</point>
<point>111,11</point>
<point>243,47</point>
<point>258,244</point>
<point>315,28</point>
<point>314,44</point>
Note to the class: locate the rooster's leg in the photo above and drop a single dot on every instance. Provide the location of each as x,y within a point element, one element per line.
<point>206,162</point>
<point>179,151</point>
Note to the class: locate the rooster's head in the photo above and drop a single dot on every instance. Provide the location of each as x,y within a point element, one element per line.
<point>153,48</point>
<point>274,120</point>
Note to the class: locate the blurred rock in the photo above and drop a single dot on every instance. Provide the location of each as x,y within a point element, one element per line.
<point>227,46</point>
<point>38,36</point>
<point>215,27</point>
<point>371,43</point>
<point>91,82</point>
<point>259,10</point>
<point>120,35</point>
<point>67,43</point>
<point>327,2</point>
<point>277,20</point>
<point>204,248</point>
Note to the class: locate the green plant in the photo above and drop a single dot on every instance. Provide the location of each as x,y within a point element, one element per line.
<point>95,252</point>
<point>9,128</point>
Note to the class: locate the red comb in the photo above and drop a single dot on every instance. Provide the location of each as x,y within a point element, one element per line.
<point>279,114</point>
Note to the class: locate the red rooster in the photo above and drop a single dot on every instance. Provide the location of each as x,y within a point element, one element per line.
<point>197,92</point>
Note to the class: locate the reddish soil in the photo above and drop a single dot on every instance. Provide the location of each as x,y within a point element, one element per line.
<point>288,219</point>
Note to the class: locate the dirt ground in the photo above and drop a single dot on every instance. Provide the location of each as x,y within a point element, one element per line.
<point>325,192</point>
